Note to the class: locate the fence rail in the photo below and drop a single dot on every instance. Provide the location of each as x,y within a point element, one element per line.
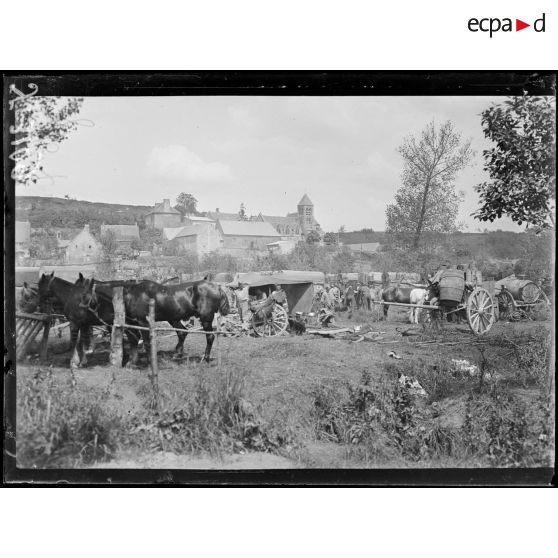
<point>119,325</point>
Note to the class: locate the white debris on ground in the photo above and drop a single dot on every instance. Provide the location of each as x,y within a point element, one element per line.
<point>465,367</point>
<point>412,384</point>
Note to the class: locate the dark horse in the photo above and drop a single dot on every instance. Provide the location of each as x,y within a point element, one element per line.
<point>54,291</point>
<point>395,294</point>
<point>173,303</point>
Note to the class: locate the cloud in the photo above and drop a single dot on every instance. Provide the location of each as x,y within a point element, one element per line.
<point>177,162</point>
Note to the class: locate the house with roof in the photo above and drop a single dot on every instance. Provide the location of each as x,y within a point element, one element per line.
<point>218,215</point>
<point>163,215</point>
<point>22,238</point>
<point>239,237</point>
<point>200,238</point>
<point>293,226</point>
<point>124,235</point>
<point>83,248</point>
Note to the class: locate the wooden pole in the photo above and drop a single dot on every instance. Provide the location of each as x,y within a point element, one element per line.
<point>153,343</point>
<point>218,346</point>
<point>116,351</point>
<point>44,342</point>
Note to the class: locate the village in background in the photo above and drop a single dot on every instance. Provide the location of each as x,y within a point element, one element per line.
<point>175,239</point>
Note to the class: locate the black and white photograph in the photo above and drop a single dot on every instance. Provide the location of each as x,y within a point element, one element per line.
<point>355,277</point>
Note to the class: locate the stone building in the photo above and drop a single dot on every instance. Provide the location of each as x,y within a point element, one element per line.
<point>83,248</point>
<point>239,237</point>
<point>293,226</point>
<point>201,238</point>
<point>163,215</point>
<point>306,216</point>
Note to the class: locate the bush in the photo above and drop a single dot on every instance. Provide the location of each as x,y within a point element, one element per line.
<point>214,417</point>
<point>59,427</point>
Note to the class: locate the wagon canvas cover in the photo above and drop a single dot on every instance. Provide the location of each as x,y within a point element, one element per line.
<point>298,285</point>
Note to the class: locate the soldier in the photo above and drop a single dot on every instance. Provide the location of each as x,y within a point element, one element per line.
<point>280,297</point>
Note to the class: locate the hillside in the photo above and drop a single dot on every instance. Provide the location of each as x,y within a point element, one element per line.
<point>51,213</point>
<point>43,212</point>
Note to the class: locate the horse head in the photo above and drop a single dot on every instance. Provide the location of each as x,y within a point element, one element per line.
<point>88,297</point>
<point>44,293</point>
<point>29,301</point>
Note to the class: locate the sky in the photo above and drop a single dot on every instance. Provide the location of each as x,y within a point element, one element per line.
<point>265,152</point>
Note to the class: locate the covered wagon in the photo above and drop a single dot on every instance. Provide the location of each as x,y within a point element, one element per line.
<point>300,288</point>
<point>516,296</point>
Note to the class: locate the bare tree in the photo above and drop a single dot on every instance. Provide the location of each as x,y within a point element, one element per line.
<point>427,201</point>
<point>109,245</point>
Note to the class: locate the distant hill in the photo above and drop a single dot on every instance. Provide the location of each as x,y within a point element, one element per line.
<point>503,245</point>
<point>43,212</point>
<point>56,213</point>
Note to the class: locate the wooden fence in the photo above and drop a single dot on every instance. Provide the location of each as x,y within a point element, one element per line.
<point>119,325</point>
<point>28,326</point>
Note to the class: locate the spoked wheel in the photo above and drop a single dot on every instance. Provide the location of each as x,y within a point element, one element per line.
<point>505,305</point>
<point>480,311</point>
<point>274,325</point>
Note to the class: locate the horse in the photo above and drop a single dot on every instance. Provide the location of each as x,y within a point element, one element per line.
<point>395,294</point>
<point>29,299</point>
<point>173,303</point>
<point>416,296</point>
<point>54,290</point>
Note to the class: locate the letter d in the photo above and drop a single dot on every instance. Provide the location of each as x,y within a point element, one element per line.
<point>537,21</point>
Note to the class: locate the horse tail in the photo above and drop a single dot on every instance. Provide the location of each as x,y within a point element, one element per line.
<point>224,306</point>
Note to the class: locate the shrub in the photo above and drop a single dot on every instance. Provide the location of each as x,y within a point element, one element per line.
<point>59,427</point>
<point>214,417</point>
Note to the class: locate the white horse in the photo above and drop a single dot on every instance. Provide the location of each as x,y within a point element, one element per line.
<point>416,296</point>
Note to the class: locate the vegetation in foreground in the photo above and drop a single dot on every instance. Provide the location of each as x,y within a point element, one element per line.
<point>500,416</point>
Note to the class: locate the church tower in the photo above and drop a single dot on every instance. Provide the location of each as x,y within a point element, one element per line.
<point>306,215</point>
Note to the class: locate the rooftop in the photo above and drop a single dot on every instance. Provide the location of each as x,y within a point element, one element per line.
<point>163,207</point>
<point>169,233</point>
<point>305,201</point>
<point>247,228</point>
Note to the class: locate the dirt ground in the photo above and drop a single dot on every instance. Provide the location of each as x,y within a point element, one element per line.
<point>283,373</point>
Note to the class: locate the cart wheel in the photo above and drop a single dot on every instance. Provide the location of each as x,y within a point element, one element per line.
<point>506,305</point>
<point>480,311</point>
<point>276,323</point>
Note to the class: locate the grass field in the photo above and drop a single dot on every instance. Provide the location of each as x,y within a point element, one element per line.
<point>300,401</point>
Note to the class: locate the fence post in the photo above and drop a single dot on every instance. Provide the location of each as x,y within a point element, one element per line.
<point>218,346</point>
<point>153,344</point>
<point>117,326</point>
<point>44,341</point>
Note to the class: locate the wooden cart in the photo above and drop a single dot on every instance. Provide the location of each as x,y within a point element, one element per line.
<point>268,318</point>
<point>475,301</point>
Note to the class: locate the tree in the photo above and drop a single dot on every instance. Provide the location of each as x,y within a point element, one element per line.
<point>136,244</point>
<point>535,254</point>
<point>39,123</point>
<point>313,237</point>
<point>109,245</point>
<point>187,204</point>
<point>242,213</point>
<point>522,164</point>
<point>330,238</point>
<point>427,201</point>
<point>171,248</point>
